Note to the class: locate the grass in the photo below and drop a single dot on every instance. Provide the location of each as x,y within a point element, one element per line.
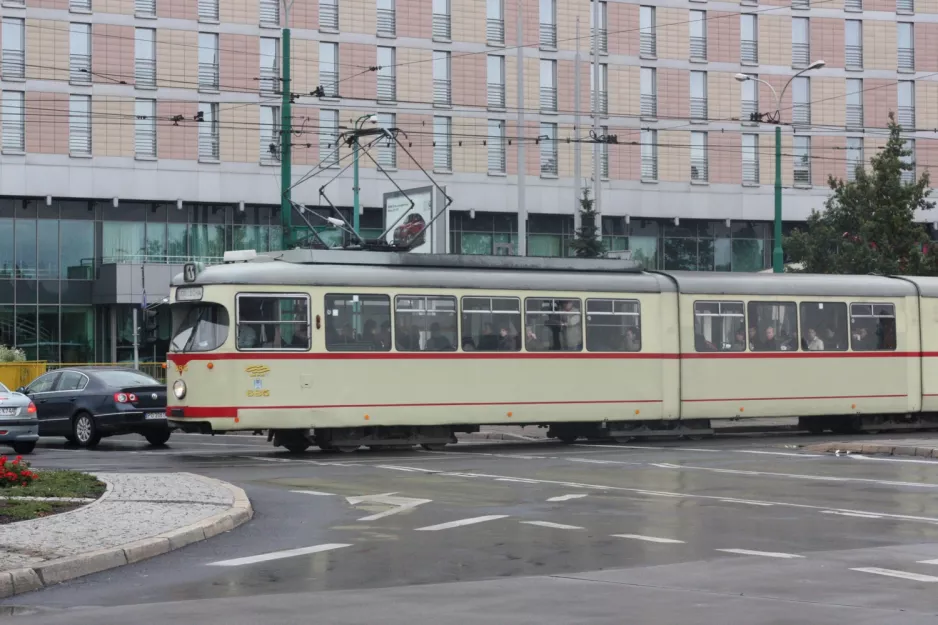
<point>49,484</point>
<point>13,511</point>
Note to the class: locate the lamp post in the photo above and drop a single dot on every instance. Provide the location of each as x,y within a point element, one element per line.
<point>778,257</point>
<point>372,118</point>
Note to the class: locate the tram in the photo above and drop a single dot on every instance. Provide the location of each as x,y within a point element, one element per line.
<point>343,349</point>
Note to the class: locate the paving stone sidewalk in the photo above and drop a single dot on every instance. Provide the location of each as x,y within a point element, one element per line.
<point>141,515</point>
<point>923,447</point>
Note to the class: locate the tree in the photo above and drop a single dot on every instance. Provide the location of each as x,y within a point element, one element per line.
<point>586,242</point>
<point>868,224</point>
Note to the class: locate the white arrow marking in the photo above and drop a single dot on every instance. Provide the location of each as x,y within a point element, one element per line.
<point>766,554</point>
<point>565,497</point>
<point>399,504</point>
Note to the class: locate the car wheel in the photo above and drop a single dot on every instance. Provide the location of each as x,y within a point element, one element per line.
<point>85,430</point>
<point>24,448</point>
<point>157,438</point>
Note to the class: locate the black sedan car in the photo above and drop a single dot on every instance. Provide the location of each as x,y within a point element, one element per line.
<point>88,403</point>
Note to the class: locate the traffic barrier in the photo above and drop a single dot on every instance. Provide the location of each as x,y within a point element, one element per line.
<point>16,374</point>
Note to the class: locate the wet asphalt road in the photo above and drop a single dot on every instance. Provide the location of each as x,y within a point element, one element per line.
<point>738,529</point>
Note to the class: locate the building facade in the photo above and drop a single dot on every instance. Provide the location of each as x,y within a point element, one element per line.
<point>148,132</point>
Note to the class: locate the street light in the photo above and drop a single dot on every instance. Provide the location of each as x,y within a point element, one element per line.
<point>368,118</point>
<point>778,257</point>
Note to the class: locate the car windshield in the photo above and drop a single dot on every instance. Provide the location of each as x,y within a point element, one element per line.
<point>3,389</point>
<point>126,378</point>
<point>198,327</point>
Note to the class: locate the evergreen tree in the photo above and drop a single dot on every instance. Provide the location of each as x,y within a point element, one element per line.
<point>586,242</point>
<point>868,225</point>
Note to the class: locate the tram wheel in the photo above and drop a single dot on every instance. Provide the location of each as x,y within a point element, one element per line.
<point>345,449</point>
<point>296,447</point>
<point>569,439</point>
<point>434,446</point>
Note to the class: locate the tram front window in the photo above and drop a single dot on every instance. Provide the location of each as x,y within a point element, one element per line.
<point>198,327</point>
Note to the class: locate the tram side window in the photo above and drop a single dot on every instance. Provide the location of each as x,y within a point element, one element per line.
<point>823,326</point>
<point>773,327</point>
<point>358,323</point>
<point>719,327</point>
<point>272,322</point>
<point>491,324</point>
<point>613,325</point>
<point>425,323</point>
<point>872,327</point>
<point>553,325</point>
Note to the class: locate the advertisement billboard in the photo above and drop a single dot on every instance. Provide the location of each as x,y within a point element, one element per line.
<point>409,226</point>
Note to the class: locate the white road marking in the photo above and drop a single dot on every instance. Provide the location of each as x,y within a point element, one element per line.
<point>748,502</point>
<point>916,577</point>
<point>799,476</point>
<point>860,515</point>
<point>928,561</point>
<point>591,461</point>
<point>566,497</point>
<point>650,539</point>
<point>461,522</point>
<point>312,492</point>
<point>520,480</point>
<point>775,453</point>
<point>766,554</point>
<point>400,504</point>
<point>613,446</point>
<point>408,469</point>
<point>904,460</point>
<point>656,493</point>
<point>278,555</point>
<point>558,526</point>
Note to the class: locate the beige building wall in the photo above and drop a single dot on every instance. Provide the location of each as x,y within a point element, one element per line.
<point>304,70</point>
<point>828,97</point>
<point>624,90</point>
<point>414,75</point>
<point>47,49</point>
<point>567,13</point>
<point>175,51</point>
<point>358,16</point>
<point>112,126</point>
<point>926,104</point>
<point>673,33</point>
<point>879,45</point>
<point>673,155</point>
<point>238,11</point>
<point>239,133</point>
<point>468,23</point>
<point>774,39</point>
<point>723,93</point>
<point>121,7</point>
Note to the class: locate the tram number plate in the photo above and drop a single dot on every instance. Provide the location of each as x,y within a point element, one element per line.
<point>7,412</point>
<point>155,415</point>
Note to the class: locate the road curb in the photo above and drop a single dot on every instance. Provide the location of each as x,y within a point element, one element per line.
<point>18,581</point>
<point>875,448</point>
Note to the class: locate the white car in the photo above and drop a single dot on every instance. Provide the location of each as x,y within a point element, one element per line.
<point>19,423</point>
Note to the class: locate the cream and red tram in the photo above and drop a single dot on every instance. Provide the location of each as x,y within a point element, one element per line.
<point>342,349</point>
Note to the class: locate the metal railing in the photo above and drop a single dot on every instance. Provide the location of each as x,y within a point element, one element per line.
<point>442,92</point>
<point>79,5</point>
<point>269,148</point>
<point>13,64</point>
<point>852,165</point>
<point>269,12</point>
<point>443,155</point>
<point>548,35</point>
<point>387,88</point>
<point>906,59</point>
<point>208,76</point>
<point>328,139</point>
<point>751,171</point>
<point>442,27</point>
<point>800,54</point>
<point>145,140</point>
<point>854,116</point>
<point>749,51</point>
<point>269,80</point>
<point>387,154</point>
<point>145,72</point>
<point>79,134</point>
<point>604,161</point>
<point>329,81</point>
<point>801,4</point>
<point>801,113</point>
<point>906,117</point>
<point>208,10</point>
<point>747,108</point>
<point>386,24</point>
<point>328,16</point>
<point>603,107</point>
<point>208,143</point>
<point>698,108</point>
<point>648,44</point>
<point>14,131</point>
<point>145,7</point>
<point>495,30</point>
<point>603,40</point>
<point>908,175</point>
<point>853,5</point>
<point>698,48</point>
<point>79,69</point>
<point>496,155</point>
<point>649,105</point>
<point>549,99</point>
<point>853,57</point>
<point>548,159</point>
<point>650,168</point>
<point>698,169</point>
<point>496,95</point>
<point>905,6</point>
<point>802,171</point>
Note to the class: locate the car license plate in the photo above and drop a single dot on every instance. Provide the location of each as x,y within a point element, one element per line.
<point>7,412</point>
<point>155,415</point>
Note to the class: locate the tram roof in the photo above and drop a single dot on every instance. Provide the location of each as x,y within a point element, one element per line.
<point>794,284</point>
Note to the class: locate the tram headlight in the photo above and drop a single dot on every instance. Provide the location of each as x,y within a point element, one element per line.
<point>179,389</point>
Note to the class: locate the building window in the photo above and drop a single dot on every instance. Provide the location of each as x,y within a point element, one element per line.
<point>208,10</point>
<point>548,141</point>
<point>698,96</point>
<point>14,49</point>
<point>853,5</point>
<point>648,44</point>
<point>270,65</point>
<point>853,44</point>
<point>270,135</point>
<point>548,86</point>
<point>905,6</point>
<point>854,116</point>
<point>329,137</point>
<point>548,24</point>
<point>79,57</point>
<point>329,15</point>
<point>441,20</point>
<point>495,22</point>
<point>907,105</point>
<point>905,36</point>
<point>387,148</point>
<point>854,157</point>
<point>801,4</point>
<point>145,57</point>
<point>603,42</point>
<point>749,99</point>
<point>648,79</point>
<point>496,146</point>
<point>208,131</point>
<point>698,35</point>
<point>603,155</point>
<point>387,76</point>
<point>649,154</point>
<point>801,100</point>
<point>750,159</point>
<point>490,234</point>
<point>802,161</point>
<point>800,42</point>
<point>748,39</point>
<point>442,86</point>
<point>495,79</point>
<point>145,8</point>
<point>145,128</point>
<point>79,6</point>
<point>79,125</point>
<point>14,121</point>
<point>443,144</point>
<point>601,107</point>
<point>329,69</point>
<point>386,19</point>
<point>269,12</point>
<point>908,175</point>
<point>698,156</point>
<point>208,62</point>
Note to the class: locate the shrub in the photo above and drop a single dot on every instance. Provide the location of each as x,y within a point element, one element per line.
<point>16,473</point>
<point>11,354</point>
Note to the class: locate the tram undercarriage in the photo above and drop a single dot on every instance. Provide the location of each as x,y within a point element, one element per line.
<point>344,440</point>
